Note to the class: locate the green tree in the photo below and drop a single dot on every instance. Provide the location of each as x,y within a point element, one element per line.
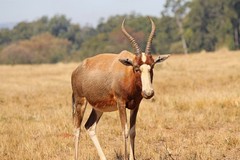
<point>178,8</point>
<point>5,36</point>
<point>22,30</point>
<point>234,10</point>
<point>59,25</point>
<point>167,36</point>
<point>212,24</point>
<point>40,26</point>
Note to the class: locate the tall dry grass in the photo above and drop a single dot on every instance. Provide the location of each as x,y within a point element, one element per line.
<point>195,113</point>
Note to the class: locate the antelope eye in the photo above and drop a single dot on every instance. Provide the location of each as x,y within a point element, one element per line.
<point>137,69</point>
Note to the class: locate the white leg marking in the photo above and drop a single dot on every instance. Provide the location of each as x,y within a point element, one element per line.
<point>126,130</point>
<point>125,138</point>
<point>76,133</point>
<point>93,136</point>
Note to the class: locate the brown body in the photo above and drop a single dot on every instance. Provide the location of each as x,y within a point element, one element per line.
<point>103,83</point>
<point>110,82</point>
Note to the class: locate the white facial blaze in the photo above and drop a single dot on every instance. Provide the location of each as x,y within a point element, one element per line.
<point>146,78</point>
<point>144,58</point>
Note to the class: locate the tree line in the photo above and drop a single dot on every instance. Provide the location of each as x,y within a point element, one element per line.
<point>183,26</point>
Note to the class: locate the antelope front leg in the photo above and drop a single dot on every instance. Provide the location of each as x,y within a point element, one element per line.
<point>123,118</point>
<point>132,132</point>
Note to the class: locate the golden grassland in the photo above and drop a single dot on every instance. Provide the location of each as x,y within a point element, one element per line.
<point>195,113</point>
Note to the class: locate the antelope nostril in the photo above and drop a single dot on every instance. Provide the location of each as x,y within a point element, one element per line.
<point>148,93</point>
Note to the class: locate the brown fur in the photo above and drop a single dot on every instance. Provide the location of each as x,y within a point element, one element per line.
<point>103,79</point>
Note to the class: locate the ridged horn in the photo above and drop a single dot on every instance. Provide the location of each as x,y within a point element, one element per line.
<point>131,39</point>
<point>150,38</point>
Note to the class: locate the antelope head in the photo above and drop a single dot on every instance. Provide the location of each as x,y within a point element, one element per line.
<point>143,63</point>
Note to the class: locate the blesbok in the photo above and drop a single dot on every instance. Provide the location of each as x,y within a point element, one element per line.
<point>111,82</point>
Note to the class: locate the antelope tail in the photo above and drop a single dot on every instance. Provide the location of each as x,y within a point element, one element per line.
<point>73,104</point>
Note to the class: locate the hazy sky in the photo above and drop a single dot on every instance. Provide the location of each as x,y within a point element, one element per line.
<point>79,11</point>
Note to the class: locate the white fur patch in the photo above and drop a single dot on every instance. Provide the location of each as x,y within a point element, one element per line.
<point>77,132</point>
<point>145,77</point>
<point>144,58</point>
<point>93,136</point>
<point>126,130</point>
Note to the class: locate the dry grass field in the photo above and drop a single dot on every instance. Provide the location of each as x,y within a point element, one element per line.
<point>195,114</point>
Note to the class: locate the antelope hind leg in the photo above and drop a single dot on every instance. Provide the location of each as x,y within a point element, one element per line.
<point>90,126</point>
<point>79,107</point>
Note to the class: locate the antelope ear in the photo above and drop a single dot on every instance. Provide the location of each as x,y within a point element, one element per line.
<point>126,62</point>
<point>161,58</point>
